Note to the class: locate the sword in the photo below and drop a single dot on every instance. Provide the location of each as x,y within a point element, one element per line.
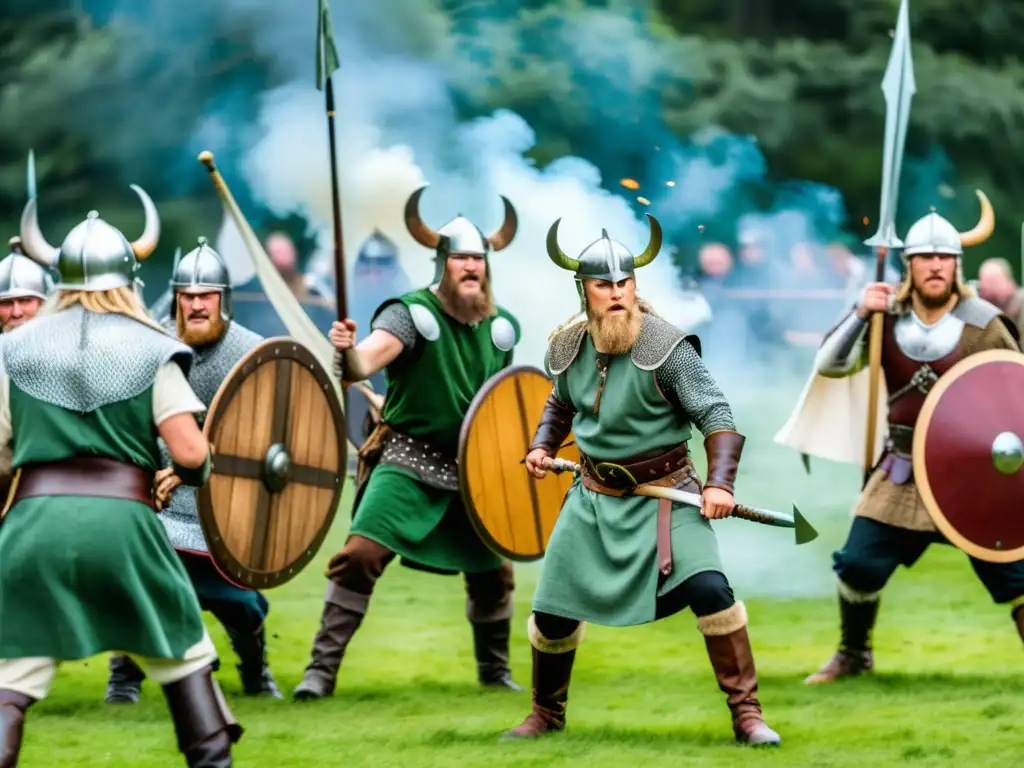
<point>804,532</point>
<point>898,87</point>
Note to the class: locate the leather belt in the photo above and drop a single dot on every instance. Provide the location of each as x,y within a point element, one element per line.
<point>85,476</point>
<point>664,522</point>
<point>626,474</point>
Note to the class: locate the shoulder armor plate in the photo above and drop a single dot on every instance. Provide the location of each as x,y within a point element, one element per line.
<point>425,322</point>
<point>503,334</point>
<point>975,311</point>
<point>655,342</point>
<point>564,345</point>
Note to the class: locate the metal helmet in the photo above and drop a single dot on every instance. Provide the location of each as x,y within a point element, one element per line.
<point>201,270</point>
<point>20,276</point>
<point>604,259</point>
<point>95,256</point>
<point>377,249</point>
<point>459,235</point>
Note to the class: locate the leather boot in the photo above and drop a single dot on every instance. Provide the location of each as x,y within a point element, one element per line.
<point>1018,617</point>
<point>854,656</point>
<point>203,723</point>
<point>733,662</point>
<point>337,626</point>
<point>253,670</point>
<point>551,674</point>
<point>490,645</point>
<point>124,686</point>
<point>12,725</point>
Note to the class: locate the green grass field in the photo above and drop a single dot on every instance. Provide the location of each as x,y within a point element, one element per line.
<point>947,690</point>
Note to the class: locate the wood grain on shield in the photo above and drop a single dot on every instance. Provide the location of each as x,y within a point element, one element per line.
<point>260,533</point>
<point>516,511</point>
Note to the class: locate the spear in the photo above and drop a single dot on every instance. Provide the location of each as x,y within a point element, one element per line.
<point>804,532</point>
<point>898,87</point>
<point>327,62</point>
<point>30,181</point>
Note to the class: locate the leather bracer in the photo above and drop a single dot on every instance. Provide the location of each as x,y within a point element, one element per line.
<point>723,449</point>
<point>555,425</point>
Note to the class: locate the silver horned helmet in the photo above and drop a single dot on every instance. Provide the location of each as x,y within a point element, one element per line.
<point>21,277</point>
<point>604,259</point>
<point>95,256</point>
<point>934,234</point>
<point>202,270</point>
<point>459,235</point>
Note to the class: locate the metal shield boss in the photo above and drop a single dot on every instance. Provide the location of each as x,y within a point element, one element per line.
<point>512,512</point>
<point>969,455</point>
<point>279,464</point>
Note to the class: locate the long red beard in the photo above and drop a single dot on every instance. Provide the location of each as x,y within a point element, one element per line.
<point>197,338</point>
<point>615,334</point>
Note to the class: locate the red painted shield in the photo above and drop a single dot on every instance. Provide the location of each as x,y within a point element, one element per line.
<point>969,455</point>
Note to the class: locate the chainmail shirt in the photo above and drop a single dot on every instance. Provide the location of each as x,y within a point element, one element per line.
<point>396,319</point>
<point>685,379</point>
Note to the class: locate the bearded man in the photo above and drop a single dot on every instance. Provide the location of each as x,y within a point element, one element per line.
<point>629,385</point>
<point>997,286</point>
<point>932,321</point>
<point>24,286</point>
<point>84,565</point>
<point>202,318</point>
<point>437,346</point>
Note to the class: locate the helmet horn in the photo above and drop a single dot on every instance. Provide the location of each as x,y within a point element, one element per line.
<point>146,244</point>
<point>32,240</point>
<point>423,234</point>
<point>555,252</point>
<point>653,245</point>
<point>985,226</point>
<point>15,244</point>
<point>503,236</point>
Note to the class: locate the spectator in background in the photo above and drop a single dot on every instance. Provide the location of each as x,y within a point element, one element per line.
<point>283,254</point>
<point>996,285</point>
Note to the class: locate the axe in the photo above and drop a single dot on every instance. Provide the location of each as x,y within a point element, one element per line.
<point>803,530</point>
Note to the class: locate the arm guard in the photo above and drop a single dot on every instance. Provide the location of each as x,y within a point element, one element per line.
<point>194,476</point>
<point>555,425</point>
<point>723,449</point>
<point>843,352</point>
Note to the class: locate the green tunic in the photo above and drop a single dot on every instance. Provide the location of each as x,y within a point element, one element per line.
<point>83,575</point>
<point>601,561</point>
<point>429,390</point>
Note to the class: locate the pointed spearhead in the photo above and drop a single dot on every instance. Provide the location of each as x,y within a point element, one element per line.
<point>31,173</point>
<point>899,87</point>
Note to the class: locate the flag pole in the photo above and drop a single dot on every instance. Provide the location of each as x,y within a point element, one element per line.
<point>326,64</point>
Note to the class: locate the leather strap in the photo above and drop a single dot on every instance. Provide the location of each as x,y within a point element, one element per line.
<point>625,473</point>
<point>86,476</point>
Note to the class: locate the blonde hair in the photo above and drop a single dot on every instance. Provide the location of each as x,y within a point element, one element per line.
<point>118,301</point>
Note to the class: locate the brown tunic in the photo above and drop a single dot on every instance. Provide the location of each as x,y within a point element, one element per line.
<point>900,504</point>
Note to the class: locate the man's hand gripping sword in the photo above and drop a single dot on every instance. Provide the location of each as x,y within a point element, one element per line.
<point>803,530</point>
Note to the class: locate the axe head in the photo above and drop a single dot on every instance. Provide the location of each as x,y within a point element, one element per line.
<point>804,531</point>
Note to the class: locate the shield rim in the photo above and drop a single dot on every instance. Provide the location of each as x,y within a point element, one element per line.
<point>467,501</point>
<point>219,552</point>
<point>924,420</point>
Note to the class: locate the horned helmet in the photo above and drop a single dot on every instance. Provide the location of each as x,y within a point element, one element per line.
<point>95,255</point>
<point>604,259</point>
<point>21,276</point>
<point>201,270</point>
<point>934,234</point>
<point>458,236</point>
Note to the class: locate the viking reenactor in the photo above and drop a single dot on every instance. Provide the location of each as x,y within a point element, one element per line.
<point>24,286</point>
<point>932,321</point>
<point>628,385</point>
<point>437,347</point>
<point>85,566</point>
<point>201,317</point>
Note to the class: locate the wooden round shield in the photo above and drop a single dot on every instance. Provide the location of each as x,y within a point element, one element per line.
<point>279,464</point>
<point>969,456</point>
<point>512,511</point>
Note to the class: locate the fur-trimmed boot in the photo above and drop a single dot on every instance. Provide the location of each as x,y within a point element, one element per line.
<point>12,725</point>
<point>552,670</point>
<point>490,646</point>
<point>205,727</point>
<point>728,644</point>
<point>124,686</point>
<point>343,613</point>
<point>857,614</point>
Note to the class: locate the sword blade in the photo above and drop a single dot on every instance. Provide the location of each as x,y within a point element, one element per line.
<point>898,87</point>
